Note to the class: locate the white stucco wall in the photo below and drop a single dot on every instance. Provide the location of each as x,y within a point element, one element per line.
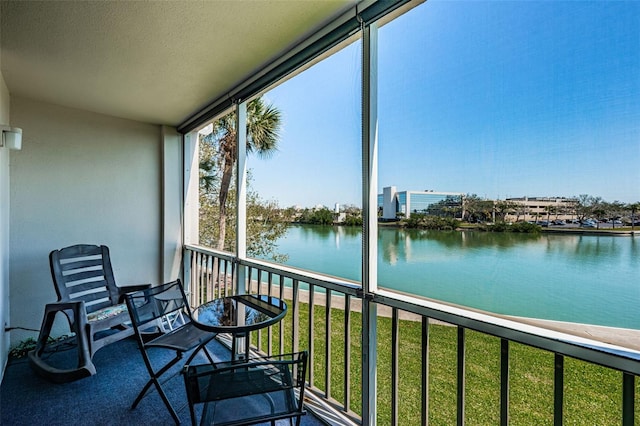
<point>81,178</point>
<point>5,155</point>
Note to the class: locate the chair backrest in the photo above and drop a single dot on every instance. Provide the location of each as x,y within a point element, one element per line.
<point>83,272</point>
<point>276,377</point>
<point>158,302</point>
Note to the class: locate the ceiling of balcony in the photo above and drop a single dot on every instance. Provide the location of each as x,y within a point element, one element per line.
<point>155,62</point>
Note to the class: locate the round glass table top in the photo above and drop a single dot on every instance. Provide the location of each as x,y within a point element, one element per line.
<point>240,313</point>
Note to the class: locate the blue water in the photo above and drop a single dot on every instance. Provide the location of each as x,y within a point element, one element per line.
<point>586,279</point>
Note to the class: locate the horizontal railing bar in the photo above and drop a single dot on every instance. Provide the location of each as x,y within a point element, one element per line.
<point>593,351</point>
<point>209,251</point>
<point>553,341</point>
<point>338,284</point>
<point>331,283</point>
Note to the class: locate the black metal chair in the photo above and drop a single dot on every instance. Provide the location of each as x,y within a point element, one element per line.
<point>92,303</point>
<point>164,310</point>
<point>246,392</point>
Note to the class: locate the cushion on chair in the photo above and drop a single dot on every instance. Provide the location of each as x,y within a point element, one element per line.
<point>108,312</point>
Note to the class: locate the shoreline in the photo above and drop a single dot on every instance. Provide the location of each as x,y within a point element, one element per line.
<point>626,338</point>
<point>596,232</point>
<point>624,232</point>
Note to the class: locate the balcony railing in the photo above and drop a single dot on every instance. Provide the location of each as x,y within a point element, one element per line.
<point>322,320</point>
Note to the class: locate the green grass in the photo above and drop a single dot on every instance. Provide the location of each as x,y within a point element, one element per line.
<point>593,394</point>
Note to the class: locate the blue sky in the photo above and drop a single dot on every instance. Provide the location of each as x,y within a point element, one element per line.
<point>500,99</point>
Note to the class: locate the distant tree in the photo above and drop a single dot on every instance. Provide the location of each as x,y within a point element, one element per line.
<point>600,213</point>
<point>503,208</point>
<point>585,206</point>
<point>633,208</point>
<point>266,224</point>
<point>520,209</point>
<point>353,216</point>
<point>550,209</point>
<point>524,228</point>
<point>263,127</point>
<point>614,211</point>
<point>477,209</point>
<point>352,220</point>
<point>321,216</point>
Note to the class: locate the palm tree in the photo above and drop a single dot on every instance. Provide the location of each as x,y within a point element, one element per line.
<point>634,207</point>
<point>549,210</point>
<point>263,127</point>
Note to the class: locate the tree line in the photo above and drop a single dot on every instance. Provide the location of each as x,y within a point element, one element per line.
<point>267,222</point>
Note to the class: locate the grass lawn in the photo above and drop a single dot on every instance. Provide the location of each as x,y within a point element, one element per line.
<point>593,394</point>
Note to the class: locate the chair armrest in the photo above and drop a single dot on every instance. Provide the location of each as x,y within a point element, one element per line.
<point>64,305</point>
<point>122,291</point>
<point>76,308</point>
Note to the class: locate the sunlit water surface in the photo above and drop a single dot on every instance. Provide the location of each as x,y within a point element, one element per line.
<point>586,279</point>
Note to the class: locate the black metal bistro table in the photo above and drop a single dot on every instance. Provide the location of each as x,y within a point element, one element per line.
<point>239,315</point>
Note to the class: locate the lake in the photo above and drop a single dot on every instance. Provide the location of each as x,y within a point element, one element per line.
<point>576,278</point>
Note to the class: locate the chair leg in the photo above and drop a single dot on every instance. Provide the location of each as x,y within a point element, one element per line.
<point>85,367</point>
<point>154,380</point>
<point>167,403</point>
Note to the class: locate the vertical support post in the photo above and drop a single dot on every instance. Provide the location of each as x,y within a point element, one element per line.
<point>241,216</point>
<point>295,314</point>
<point>190,228</point>
<point>461,377</point>
<point>347,352</point>
<point>370,218</point>
<point>395,367</point>
<point>504,382</point>
<point>282,323</point>
<point>241,197</point>
<point>558,390</point>
<point>312,333</point>
<point>172,202</point>
<point>327,350</point>
<point>425,371</point>
<point>628,399</point>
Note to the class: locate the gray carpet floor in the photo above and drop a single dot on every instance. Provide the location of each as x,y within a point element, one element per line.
<point>102,399</point>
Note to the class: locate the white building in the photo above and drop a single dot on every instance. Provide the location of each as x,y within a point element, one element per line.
<point>393,202</point>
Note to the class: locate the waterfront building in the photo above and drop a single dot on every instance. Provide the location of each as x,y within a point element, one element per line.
<point>541,208</point>
<point>394,202</point>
